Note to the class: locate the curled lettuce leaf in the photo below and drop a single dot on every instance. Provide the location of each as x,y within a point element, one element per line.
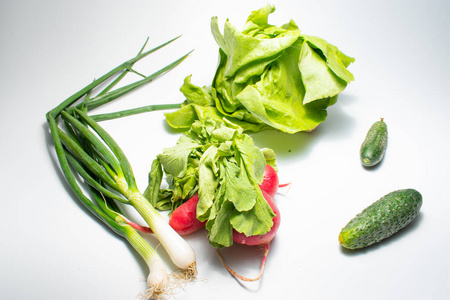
<point>267,77</point>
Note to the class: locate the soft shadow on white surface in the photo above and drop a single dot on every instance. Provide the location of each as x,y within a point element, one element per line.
<point>338,125</point>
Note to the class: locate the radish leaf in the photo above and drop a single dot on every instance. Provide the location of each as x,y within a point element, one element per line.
<point>221,163</point>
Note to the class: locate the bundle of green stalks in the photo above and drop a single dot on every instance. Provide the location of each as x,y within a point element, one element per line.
<point>89,156</point>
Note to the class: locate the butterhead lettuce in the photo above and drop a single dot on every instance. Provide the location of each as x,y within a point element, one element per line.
<point>267,77</point>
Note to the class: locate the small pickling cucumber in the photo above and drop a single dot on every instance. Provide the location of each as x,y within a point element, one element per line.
<point>374,145</point>
<point>382,219</point>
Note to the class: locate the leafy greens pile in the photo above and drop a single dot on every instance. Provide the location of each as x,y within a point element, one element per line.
<point>221,163</point>
<point>267,77</point>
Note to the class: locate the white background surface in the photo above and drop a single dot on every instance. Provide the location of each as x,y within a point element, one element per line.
<point>51,248</point>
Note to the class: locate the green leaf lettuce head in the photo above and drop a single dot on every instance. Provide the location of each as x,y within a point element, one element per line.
<point>267,77</point>
<point>217,160</point>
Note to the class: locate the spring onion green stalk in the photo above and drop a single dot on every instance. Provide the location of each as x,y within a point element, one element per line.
<point>86,152</point>
<point>105,209</point>
<point>158,280</point>
<point>109,163</point>
<point>108,95</point>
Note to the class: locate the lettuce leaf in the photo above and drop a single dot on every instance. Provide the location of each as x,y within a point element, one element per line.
<point>267,77</point>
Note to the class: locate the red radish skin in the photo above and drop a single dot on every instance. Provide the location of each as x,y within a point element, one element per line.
<point>183,219</point>
<point>263,239</point>
<point>137,226</point>
<point>270,182</point>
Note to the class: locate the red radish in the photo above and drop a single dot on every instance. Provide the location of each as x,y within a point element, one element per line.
<point>137,226</point>
<point>183,219</point>
<point>270,181</point>
<point>264,238</point>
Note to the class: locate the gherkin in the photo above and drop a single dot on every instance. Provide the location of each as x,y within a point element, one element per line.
<point>374,145</point>
<point>382,219</point>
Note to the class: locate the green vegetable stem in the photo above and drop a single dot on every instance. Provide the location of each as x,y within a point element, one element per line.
<point>86,152</point>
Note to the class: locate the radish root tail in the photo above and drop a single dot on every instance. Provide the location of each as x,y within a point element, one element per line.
<point>288,185</point>
<point>235,274</point>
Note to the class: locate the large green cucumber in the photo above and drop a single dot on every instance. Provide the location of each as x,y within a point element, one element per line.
<point>374,145</point>
<point>382,219</point>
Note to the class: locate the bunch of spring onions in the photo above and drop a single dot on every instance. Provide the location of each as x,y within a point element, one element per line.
<point>88,155</point>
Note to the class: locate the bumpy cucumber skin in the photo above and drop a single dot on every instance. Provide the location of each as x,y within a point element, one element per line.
<point>374,145</point>
<point>382,219</point>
